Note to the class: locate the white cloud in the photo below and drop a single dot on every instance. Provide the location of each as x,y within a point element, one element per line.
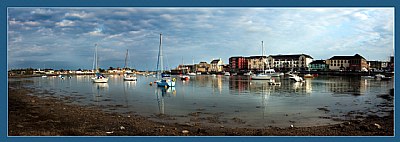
<point>65,23</point>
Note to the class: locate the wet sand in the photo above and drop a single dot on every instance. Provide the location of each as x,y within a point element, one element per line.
<point>45,116</point>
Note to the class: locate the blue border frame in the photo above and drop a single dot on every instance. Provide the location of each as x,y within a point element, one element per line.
<point>178,3</point>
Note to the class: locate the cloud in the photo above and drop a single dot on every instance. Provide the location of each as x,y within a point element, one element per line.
<point>202,33</point>
<point>65,23</point>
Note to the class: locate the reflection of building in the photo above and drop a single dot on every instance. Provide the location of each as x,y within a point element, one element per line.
<point>346,85</point>
<point>238,85</point>
<point>284,62</point>
<point>353,63</point>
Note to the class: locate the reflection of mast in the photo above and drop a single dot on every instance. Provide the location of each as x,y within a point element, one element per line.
<point>265,97</point>
<point>160,101</point>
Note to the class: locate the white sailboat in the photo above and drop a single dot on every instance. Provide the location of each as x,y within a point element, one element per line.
<point>165,80</point>
<point>264,75</point>
<point>127,75</point>
<point>99,78</point>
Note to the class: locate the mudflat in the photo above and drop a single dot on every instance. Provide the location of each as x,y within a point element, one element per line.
<point>30,115</point>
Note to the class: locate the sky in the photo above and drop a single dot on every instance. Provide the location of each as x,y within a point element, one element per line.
<point>65,38</point>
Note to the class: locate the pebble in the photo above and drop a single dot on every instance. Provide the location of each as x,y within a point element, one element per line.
<point>185,131</point>
<point>122,128</point>
<point>110,132</point>
<point>377,125</point>
<point>291,126</point>
<point>20,126</point>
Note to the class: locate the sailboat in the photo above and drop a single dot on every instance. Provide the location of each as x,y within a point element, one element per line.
<point>165,80</point>
<point>264,75</point>
<point>127,75</point>
<point>99,78</point>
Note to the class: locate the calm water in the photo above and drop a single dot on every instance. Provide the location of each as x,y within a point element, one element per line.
<point>233,101</point>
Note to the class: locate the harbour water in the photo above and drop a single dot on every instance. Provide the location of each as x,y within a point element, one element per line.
<point>229,101</point>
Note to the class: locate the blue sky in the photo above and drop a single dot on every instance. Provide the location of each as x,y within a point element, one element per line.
<point>65,37</point>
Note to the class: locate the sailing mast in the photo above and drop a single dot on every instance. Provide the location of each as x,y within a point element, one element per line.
<point>160,60</point>
<point>126,59</point>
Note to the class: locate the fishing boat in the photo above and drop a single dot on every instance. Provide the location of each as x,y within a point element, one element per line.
<point>165,80</point>
<point>265,74</point>
<point>99,78</point>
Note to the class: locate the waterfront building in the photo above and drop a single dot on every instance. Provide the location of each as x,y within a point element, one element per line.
<point>377,65</point>
<point>256,63</point>
<point>202,67</point>
<point>288,62</point>
<point>216,65</point>
<point>350,63</point>
<point>318,65</point>
<point>238,64</point>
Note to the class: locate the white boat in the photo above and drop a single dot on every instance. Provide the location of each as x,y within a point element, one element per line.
<point>198,73</point>
<point>166,80</point>
<point>248,73</point>
<point>379,76</point>
<point>227,74</point>
<point>367,77</point>
<point>266,74</point>
<point>192,74</point>
<point>296,78</point>
<point>261,76</point>
<point>44,76</point>
<point>99,78</point>
<point>213,75</point>
<point>130,77</point>
<point>234,74</point>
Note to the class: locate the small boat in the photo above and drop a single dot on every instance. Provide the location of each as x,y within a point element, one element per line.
<point>367,77</point>
<point>227,74</point>
<point>378,76</point>
<point>308,76</point>
<point>248,73</point>
<point>386,78</point>
<point>44,76</point>
<point>192,74</point>
<point>185,77</point>
<point>213,75</point>
<point>198,73</point>
<point>234,74</point>
<point>260,77</point>
<point>296,78</point>
<point>130,77</point>
<point>99,78</point>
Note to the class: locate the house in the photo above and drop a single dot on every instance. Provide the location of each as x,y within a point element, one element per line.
<point>350,63</point>
<point>288,62</point>
<point>256,62</point>
<point>216,65</point>
<point>202,67</point>
<point>238,64</point>
<point>318,65</point>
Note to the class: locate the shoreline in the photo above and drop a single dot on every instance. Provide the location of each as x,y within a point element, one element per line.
<point>38,116</point>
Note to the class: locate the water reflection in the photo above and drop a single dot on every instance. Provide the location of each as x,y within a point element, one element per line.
<point>161,93</point>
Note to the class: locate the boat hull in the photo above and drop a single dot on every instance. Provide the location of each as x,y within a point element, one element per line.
<point>261,77</point>
<point>100,80</point>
